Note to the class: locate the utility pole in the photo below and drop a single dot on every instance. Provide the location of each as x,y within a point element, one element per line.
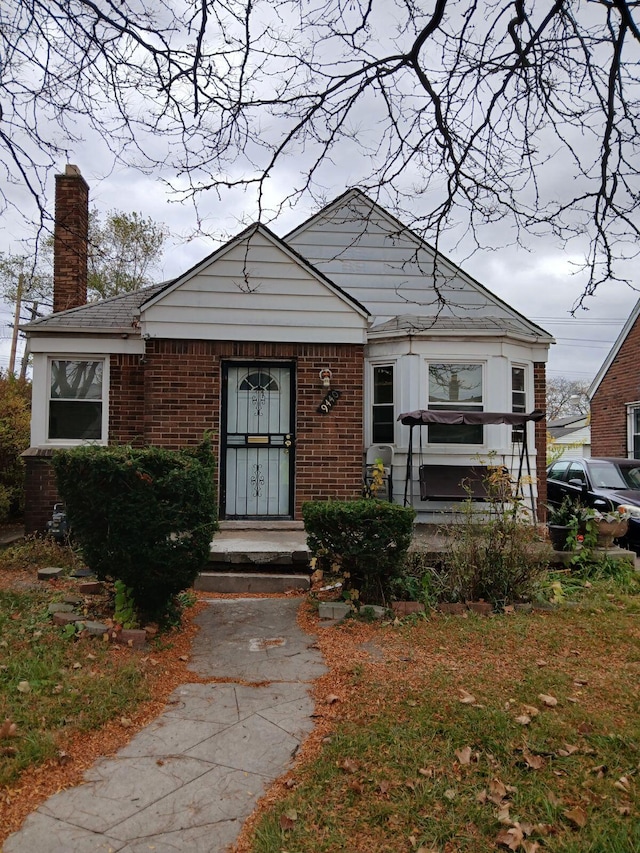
<point>16,321</point>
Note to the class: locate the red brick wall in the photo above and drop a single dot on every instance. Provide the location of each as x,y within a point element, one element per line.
<point>182,401</point>
<point>70,240</point>
<point>40,490</point>
<point>539,402</point>
<point>620,385</point>
<point>126,399</point>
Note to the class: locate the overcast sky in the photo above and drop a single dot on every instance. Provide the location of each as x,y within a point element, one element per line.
<point>541,283</point>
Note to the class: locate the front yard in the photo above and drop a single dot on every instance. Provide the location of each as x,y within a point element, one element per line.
<point>461,735</point>
<point>520,731</point>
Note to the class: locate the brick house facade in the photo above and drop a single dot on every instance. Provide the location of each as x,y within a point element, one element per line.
<point>615,396</point>
<point>286,351</point>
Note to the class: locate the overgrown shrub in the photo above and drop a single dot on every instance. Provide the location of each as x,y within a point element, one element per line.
<point>364,539</point>
<point>15,415</point>
<point>142,516</point>
<point>493,554</point>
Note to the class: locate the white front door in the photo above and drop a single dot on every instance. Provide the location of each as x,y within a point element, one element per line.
<point>258,440</point>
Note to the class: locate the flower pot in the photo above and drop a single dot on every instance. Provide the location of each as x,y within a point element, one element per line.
<point>558,534</point>
<point>607,531</point>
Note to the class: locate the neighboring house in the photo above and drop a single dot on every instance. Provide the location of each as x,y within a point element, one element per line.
<point>615,396</point>
<point>296,353</point>
<point>570,437</point>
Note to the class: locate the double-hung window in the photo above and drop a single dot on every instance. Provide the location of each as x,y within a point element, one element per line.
<point>633,430</point>
<point>76,404</point>
<point>456,387</point>
<point>383,414</point>
<point>518,400</point>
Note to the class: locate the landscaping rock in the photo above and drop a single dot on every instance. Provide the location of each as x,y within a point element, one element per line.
<point>50,573</point>
<point>90,588</point>
<point>375,610</point>
<point>59,607</point>
<point>95,629</point>
<point>134,637</point>
<point>456,608</point>
<point>72,598</point>
<point>406,608</point>
<point>333,610</point>
<point>65,618</point>
<point>482,608</point>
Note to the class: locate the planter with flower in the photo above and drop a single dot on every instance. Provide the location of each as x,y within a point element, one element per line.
<point>606,526</point>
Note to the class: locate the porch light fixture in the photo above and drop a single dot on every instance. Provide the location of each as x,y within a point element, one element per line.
<point>325,377</point>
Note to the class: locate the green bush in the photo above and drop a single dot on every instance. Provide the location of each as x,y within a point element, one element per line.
<point>142,516</point>
<point>15,408</point>
<point>366,539</point>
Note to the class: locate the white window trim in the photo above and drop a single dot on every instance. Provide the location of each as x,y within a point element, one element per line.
<point>41,427</point>
<point>380,362</point>
<point>455,448</point>
<point>631,408</point>
<point>527,389</point>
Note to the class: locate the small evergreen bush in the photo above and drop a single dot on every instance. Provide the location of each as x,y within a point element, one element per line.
<point>142,516</point>
<point>366,539</point>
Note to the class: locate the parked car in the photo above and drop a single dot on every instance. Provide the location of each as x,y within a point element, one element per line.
<point>606,484</point>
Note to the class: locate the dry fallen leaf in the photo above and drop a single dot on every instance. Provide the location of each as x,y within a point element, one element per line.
<point>465,697</point>
<point>384,787</point>
<point>531,710</point>
<point>623,784</point>
<point>534,762</point>
<point>450,794</point>
<point>8,729</point>
<point>577,816</point>
<point>511,838</point>
<point>523,719</point>
<point>24,687</point>
<point>482,797</point>
<point>125,722</point>
<point>546,699</point>
<point>464,755</point>
<point>568,749</point>
<point>503,813</point>
<point>624,810</point>
<point>332,699</point>
<point>288,819</point>
<point>530,846</point>
<point>541,662</point>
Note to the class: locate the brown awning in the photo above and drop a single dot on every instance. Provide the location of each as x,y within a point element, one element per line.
<point>431,416</point>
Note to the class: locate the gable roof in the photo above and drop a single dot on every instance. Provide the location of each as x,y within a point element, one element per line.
<point>399,272</point>
<point>615,349</point>
<point>246,236</point>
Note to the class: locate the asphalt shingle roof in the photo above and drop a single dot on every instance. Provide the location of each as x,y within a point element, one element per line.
<point>118,312</point>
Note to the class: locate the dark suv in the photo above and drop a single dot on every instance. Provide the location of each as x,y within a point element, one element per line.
<point>605,484</point>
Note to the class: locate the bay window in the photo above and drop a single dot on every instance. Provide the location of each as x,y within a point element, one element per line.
<point>456,387</point>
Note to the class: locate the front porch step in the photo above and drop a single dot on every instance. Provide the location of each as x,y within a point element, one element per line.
<point>249,582</point>
<point>251,546</point>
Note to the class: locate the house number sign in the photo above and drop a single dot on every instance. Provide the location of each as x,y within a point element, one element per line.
<point>329,401</point>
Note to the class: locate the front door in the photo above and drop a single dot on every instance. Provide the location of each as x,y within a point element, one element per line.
<point>257,459</point>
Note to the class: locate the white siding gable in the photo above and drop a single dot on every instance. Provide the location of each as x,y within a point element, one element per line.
<point>389,269</point>
<point>254,289</point>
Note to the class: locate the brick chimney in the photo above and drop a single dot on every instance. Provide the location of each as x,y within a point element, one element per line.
<point>71,234</point>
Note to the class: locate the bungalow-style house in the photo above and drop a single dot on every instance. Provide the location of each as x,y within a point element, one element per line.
<point>615,396</point>
<point>297,353</point>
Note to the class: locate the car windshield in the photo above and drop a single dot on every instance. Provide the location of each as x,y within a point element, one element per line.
<point>606,475</point>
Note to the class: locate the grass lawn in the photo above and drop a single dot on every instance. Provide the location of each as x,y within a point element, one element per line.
<point>65,701</point>
<point>449,734</point>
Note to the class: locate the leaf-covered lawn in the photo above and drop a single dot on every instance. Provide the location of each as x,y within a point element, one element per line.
<point>519,732</point>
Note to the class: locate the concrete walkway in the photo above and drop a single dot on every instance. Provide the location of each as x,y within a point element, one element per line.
<point>188,780</point>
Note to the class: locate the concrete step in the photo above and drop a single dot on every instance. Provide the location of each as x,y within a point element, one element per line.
<point>247,582</point>
<point>244,546</point>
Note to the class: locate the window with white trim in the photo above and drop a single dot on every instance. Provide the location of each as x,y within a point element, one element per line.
<point>518,399</point>
<point>76,400</point>
<point>633,430</point>
<point>383,414</point>
<point>456,387</point>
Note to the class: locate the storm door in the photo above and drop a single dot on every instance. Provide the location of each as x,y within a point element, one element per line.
<point>258,441</point>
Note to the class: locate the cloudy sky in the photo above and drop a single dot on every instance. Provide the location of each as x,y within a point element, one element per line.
<point>541,282</point>
<point>541,279</point>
